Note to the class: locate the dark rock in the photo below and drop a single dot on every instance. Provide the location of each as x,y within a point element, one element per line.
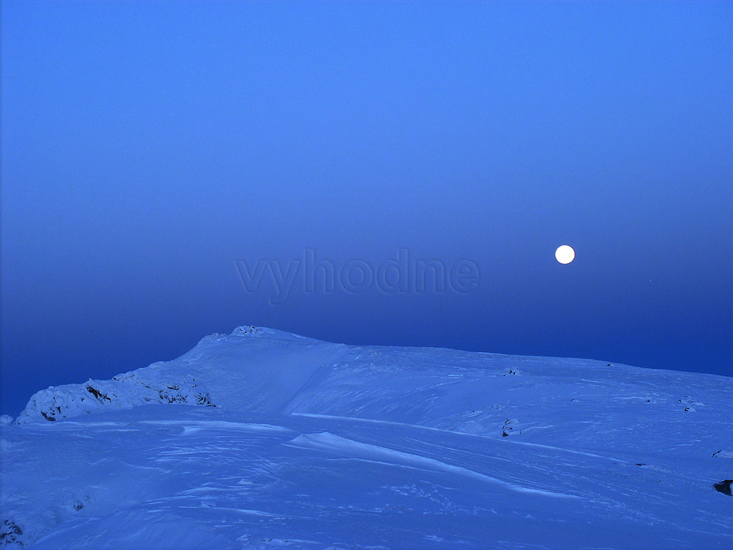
<point>9,533</point>
<point>98,394</point>
<point>204,400</point>
<point>168,397</point>
<point>508,427</point>
<point>723,487</point>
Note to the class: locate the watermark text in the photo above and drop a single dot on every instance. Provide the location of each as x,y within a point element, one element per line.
<point>313,274</point>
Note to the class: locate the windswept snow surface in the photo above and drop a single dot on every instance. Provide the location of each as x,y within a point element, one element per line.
<point>280,441</point>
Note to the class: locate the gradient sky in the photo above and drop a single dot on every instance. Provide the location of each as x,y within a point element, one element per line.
<point>147,147</point>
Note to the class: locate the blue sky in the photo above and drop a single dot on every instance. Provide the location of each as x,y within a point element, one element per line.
<point>147,148</point>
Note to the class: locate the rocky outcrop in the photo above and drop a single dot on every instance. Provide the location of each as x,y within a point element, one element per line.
<point>723,487</point>
<point>124,391</point>
<point>11,535</point>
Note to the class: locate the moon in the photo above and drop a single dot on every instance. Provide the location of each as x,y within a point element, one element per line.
<point>565,254</point>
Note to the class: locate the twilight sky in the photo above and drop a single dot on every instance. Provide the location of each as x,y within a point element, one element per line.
<point>374,173</point>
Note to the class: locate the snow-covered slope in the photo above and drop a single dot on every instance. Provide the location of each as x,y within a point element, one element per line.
<point>251,369</point>
<point>281,440</point>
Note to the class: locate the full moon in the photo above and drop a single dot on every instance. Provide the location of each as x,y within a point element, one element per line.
<point>565,254</point>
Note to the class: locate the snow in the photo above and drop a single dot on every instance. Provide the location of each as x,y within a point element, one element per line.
<point>273,440</point>
<point>381,455</point>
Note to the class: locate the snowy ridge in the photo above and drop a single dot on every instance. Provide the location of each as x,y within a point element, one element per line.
<point>165,383</point>
<point>122,392</point>
<point>278,440</point>
<point>263,370</point>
